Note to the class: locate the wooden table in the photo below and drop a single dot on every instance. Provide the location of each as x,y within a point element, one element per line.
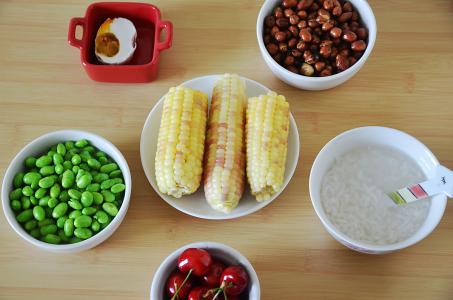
<point>406,84</point>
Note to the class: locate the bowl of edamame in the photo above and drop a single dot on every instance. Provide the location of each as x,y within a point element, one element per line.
<point>67,191</point>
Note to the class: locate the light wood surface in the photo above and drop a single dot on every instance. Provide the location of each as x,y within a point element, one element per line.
<point>407,84</point>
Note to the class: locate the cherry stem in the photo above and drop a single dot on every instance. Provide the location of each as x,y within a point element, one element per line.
<point>175,296</point>
<point>220,290</point>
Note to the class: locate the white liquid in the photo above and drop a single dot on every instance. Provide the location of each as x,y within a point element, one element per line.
<point>354,195</point>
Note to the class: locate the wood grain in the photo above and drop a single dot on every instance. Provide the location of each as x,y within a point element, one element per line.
<point>406,84</point>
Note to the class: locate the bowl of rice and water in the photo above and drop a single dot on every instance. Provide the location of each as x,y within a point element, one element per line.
<point>350,180</point>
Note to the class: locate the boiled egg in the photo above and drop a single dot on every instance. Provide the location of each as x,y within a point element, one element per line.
<point>115,41</point>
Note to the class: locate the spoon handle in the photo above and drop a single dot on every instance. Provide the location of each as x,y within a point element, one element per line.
<point>441,182</point>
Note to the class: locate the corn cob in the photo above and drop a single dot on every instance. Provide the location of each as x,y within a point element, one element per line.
<point>266,143</point>
<point>180,144</point>
<point>225,153</point>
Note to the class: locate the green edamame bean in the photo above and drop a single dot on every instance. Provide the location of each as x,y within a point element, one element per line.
<point>57,159</point>
<point>115,174</point>
<point>43,161</point>
<point>51,239</point>
<point>74,214</point>
<point>80,172</point>
<point>89,149</point>
<point>30,162</point>
<point>59,169</point>
<point>32,224</point>
<point>35,233</point>
<point>67,165</point>
<point>85,156</point>
<point>82,221</point>
<point>48,229</point>
<point>100,154</point>
<point>69,145</point>
<point>60,221</point>
<point>18,180</point>
<point>15,205</point>
<point>97,198</point>
<point>63,237</point>
<point>74,194</point>
<point>102,217</point>
<point>15,194</point>
<point>45,222</point>
<point>93,187</point>
<point>94,163</point>
<point>69,227</point>
<point>43,201</point>
<point>105,225</point>
<point>75,169</point>
<point>100,177</point>
<point>84,181</point>
<point>47,182</point>
<point>61,149</point>
<point>76,159</point>
<point>67,180</point>
<point>55,191</point>
<point>52,203</point>
<point>51,153</point>
<point>106,184</point>
<point>86,199</point>
<point>32,178</point>
<point>47,170</point>
<point>27,191</point>
<point>33,200</point>
<point>83,233</point>
<point>39,213</point>
<point>103,160</point>
<point>117,188</point>
<point>81,143</point>
<point>25,201</point>
<point>59,210</point>
<point>95,226</point>
<point>75,204</point>
<point>25,216</point>
<point>41,192</point>
<point>64,196</point>
<point>89,211</point>
<point>84,166</point>
<point>108,168</point>
<point>108,196</point>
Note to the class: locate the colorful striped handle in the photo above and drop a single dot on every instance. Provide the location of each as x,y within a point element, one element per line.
<point>441,182</point>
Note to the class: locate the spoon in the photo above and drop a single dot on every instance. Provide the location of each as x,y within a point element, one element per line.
<point>441,182</point>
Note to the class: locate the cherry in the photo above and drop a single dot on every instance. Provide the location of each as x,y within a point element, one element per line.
<point>212,278</point>
<point>201,293</point>
<point>234,280</point>
<point>196,260</point>
<point>175,281</point>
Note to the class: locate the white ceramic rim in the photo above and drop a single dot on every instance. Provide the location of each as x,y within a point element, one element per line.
<point>295,77</point>
<point>204,245</point>
<point>85,244</point>
<point>368,247</point>
<point>259,205</point>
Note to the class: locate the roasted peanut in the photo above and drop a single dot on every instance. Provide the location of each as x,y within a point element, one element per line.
<point>283,47</point>
<point>328,25</point>
<point>289,60</point>
<point>324,14</point>
<point>280,36</point>
<point>328,4</point>
<point>361,33</point>
<point>282,23</point>
<point>301,46</point>
<point>344,17</point>
<point>325,51</point>
<point>292,43</point>
<point>335,32</point>
<point>294,31</point>
<point>312,23</point>
<point>355,16</point>
<point>288,12</point>
<point>278,12</point>
<point>347,6</point>
<point>274,30</point>
<point>289,3</point>
<point>307,70</point>
<point>349,36</point>
<point>302,24</point>
<point>344,52</point>
<point>326,72</point>
<point>304,4</point>
<point>359,45</point>
<point>294,19</point>
<point>319,66</point>
<point>302,14</point>
<point>341,62</point>
<point>337,11</point>
<point>305,35</point>
<point>296,53</point>
<point>272,49</point>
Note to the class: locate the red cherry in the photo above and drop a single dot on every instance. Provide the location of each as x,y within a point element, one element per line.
<point>234,279</point>
<point>195,259</point>
<point>175,281</point>
<point>212,278</point>
<point>201,293</point>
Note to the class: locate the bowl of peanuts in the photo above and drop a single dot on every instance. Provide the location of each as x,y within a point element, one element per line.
<point>315,44</point>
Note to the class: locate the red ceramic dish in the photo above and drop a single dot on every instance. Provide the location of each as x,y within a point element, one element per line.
<point>144,64</point>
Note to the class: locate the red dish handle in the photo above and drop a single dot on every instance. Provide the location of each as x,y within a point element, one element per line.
<point>73,41</point>
<point>168,26</point>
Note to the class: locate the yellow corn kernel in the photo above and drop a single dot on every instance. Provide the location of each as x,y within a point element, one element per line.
<point>180,144</point>
<point>225,153</point>
<point>267,128</point>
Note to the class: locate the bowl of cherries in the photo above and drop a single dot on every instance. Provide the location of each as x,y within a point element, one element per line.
<point>205,271</point>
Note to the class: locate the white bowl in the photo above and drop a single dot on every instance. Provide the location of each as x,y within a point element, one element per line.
<point>375,135</point>
<point>317,83</point>
<point>196,204</point>
<point>42,145</point>
<point>220,251</point>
